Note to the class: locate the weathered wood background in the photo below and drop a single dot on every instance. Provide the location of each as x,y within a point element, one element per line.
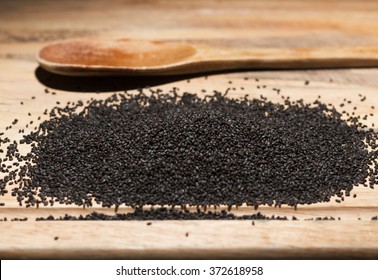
<point>25,26</point>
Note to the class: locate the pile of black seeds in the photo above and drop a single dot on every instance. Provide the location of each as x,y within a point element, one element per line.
<point>165,149</point>
<point>162,214</point>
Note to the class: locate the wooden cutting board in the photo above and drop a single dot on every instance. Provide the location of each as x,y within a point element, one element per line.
<point>262,24</point>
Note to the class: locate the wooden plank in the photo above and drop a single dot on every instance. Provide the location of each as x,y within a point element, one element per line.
<point>206,239</point>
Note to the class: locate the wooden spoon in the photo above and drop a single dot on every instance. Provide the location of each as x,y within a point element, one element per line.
<point>145,58</point>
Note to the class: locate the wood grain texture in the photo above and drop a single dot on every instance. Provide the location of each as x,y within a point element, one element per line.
<point>163,239</point>
<point>27,26</point>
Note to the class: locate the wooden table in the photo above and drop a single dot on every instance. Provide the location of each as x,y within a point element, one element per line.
<point>26,26</point>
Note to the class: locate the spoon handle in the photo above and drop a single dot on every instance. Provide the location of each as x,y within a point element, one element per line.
<point>209,59</point>
<point>293,58</point>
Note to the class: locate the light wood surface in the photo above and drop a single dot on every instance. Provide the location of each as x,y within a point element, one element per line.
<point>221,239</point>
<point>27,26</point>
